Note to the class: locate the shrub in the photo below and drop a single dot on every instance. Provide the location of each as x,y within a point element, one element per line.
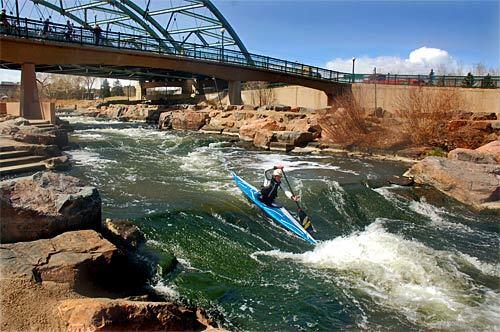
<point>345,122</point>
<point>425,112</point>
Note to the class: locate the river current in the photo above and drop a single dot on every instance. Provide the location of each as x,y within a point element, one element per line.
<point>389,257</point>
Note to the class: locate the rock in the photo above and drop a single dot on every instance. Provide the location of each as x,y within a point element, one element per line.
<point>295,138</point>
<point>189,120</point>
<point>401,181</point>
<point>165,121</point>
<point>280,108</point>
<point>474,156</point>
<point>61,163</point>
<point>492,148</point>
<point>77,258</point>
<point>123,315</point>
<point>263,138</point>
<point>230,108</point>
<point>379,112</point>
<point>123,233</point>
<point>46,204</point>
<point>282,147</point>
<point>309,124</point>
<point>247,132</point>
<point>467,182</point>
<point>483,116</point>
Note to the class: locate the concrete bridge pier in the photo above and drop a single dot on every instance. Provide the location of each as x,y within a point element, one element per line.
<point>29,101</point>
<point>234,93</point>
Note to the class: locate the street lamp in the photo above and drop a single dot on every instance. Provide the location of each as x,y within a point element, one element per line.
<point>353,60</point>
<point>222,42</point>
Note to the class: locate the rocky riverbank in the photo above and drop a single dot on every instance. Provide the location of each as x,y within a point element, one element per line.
<point>64,269</point>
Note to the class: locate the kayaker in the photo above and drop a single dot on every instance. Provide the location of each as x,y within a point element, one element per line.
<point>272,183</point>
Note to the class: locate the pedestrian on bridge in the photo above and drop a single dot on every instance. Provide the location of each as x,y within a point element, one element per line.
<point>46,27</point>
<point>4,22</point>
<point>97,34</point>
<point>69,31</point>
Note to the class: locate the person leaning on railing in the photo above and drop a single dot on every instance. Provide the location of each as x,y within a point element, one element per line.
<point>4,22</point>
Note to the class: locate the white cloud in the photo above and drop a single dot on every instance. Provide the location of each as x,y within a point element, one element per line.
<point>419,61</point>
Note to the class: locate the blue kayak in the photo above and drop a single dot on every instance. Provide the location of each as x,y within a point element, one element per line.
<point>277,213</point>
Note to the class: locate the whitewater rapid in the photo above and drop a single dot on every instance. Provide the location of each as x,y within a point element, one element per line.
<point>429,287</point>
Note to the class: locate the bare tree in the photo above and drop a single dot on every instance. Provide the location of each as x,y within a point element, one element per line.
<point>88,82</point>
<point>480,69</point>
<point>261,93</point>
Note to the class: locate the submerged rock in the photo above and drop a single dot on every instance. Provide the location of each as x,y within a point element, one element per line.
<point>105,315</point>
<point>46,204</point>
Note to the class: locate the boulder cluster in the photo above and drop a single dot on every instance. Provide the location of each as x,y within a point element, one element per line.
<point>52,234</point>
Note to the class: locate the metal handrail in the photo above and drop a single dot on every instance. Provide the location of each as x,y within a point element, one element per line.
<point>33,29</point>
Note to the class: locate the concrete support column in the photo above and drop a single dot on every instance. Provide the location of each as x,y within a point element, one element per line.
<point>234,93</point>
<point>29,101</point>
<point>140,90</point>
<point>188,87</point>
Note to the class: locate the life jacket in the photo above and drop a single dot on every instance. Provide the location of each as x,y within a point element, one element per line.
<point>270,192</point>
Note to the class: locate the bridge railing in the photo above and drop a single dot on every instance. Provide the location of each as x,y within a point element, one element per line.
<point>33,29</point>
<point>491,82</point>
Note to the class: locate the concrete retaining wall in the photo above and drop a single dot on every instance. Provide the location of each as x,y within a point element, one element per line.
<point>48,110</point>
<point>475,100</point>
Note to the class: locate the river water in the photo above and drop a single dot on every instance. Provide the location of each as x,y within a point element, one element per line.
<point>388,257</point>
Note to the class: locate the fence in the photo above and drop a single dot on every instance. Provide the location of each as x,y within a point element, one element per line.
<point>490,82</point>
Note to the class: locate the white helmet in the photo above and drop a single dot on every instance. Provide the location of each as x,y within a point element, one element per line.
<point>278,172</point>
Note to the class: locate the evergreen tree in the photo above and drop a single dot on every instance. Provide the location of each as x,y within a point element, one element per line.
<point>487,82</point>
<point>117,89</point>
<point>468,81</point>
<point>105,90</point>
<point>431,77</point>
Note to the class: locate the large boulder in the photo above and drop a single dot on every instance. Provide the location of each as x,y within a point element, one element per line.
<point>247,132</point>
<point>122,315</point>
<point>77,258</point>
<point>474,156</point>
<point>295,138</point>
<point>46,204</point>
<point>470,183</point>
<point>263,139</point>
<point>491,148</point>
<point>189,120</point>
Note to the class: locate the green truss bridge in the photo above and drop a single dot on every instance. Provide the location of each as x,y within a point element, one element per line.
<point>137,40</point>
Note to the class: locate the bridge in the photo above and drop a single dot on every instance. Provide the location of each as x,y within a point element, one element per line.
<point>190,41</point>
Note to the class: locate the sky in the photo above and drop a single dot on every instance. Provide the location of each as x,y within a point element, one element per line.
<point>395,36</point>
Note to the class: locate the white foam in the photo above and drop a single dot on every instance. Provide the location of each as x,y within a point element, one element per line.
<point>292,163</point>
<point>87,120</point>
<point>423,284</point>
<point>85,157</point>
<point>168,290</point>
<point>88,136</point>
<point>490,269</point>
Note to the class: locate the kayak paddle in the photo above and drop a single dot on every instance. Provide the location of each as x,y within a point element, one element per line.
<point>303,217</point>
